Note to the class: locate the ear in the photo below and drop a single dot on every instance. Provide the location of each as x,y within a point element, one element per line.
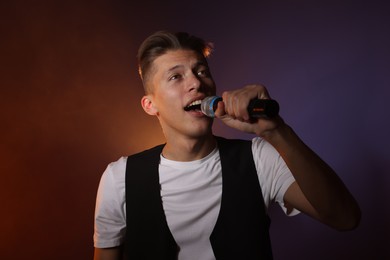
<point>148,106</point>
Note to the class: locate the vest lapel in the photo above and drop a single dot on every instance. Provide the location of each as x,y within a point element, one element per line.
<point>241,231</point>
<point>147,232</point>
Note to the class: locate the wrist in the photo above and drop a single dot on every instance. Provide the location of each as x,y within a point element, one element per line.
<point>280,132</point>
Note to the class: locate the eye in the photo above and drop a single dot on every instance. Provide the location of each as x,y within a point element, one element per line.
<point>174,77</point>
<point>203,72</point>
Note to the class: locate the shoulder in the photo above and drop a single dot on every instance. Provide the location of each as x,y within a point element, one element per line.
<point>224,143</point>
<point>117,165</point>
<point>261,147</point>
<point>146,154</point>
<point>231,140</point>
<point>114,174</point>
<point>115,171</point>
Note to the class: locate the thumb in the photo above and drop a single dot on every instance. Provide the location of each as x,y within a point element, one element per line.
<point>220,111</point>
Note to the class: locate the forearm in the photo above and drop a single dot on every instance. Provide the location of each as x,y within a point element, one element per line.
<point>319,183</point>
<point>113,253</point>
<point>319,192</point>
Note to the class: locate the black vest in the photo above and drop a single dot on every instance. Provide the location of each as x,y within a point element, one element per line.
<point>241,231</point>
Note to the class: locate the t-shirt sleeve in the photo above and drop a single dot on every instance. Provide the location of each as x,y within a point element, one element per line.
<point>274,175</point>
<point>110,212</point>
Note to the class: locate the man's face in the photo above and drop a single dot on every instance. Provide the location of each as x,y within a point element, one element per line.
<point>179,78</point>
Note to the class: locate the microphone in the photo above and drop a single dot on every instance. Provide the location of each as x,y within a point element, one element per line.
<point>257,108</point>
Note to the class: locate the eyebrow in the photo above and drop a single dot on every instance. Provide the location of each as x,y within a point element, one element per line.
<point>197,64</point>
<point>174,68</point>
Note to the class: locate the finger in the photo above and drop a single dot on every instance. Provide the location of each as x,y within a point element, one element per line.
<point>228,103</point>
<point>220,111</point>
<point>236,104</point>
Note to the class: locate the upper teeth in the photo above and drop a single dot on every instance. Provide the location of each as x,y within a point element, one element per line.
<point>196,102</point>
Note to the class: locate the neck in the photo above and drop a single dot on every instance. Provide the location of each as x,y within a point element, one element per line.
<point>189,149</point>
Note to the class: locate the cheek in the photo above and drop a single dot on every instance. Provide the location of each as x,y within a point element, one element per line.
<point>211,88</point>
<point>171,96</point>
<point>168,98</point>
<point>167,104</point>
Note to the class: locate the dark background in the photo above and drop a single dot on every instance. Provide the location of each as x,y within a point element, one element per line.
<point>70,105</point>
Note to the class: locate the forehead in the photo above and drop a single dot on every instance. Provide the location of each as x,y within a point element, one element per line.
<point>177,59</point>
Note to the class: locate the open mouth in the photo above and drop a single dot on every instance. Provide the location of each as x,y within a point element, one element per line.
<point>194,106</point>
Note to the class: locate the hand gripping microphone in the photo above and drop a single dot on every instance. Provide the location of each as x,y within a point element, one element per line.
<point>257,108</point>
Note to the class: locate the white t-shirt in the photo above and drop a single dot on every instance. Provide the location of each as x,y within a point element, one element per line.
<point>191,195</point>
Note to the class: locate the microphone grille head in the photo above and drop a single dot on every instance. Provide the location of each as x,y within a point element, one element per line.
<point>209,105</point>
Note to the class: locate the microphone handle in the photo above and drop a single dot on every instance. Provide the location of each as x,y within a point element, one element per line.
<point>257,108</point>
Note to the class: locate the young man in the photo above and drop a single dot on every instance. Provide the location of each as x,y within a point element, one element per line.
<point>204,197</point>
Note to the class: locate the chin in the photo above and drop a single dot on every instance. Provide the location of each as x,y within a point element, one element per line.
<point>201,132</point>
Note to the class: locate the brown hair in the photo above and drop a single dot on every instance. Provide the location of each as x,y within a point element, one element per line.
<point>160,42</point>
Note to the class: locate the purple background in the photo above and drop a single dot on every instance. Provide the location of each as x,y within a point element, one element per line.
<point>70,105</point>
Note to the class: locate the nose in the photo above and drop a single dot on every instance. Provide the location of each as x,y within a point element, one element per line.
<point>194,83</point>
<point>200,84</point>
